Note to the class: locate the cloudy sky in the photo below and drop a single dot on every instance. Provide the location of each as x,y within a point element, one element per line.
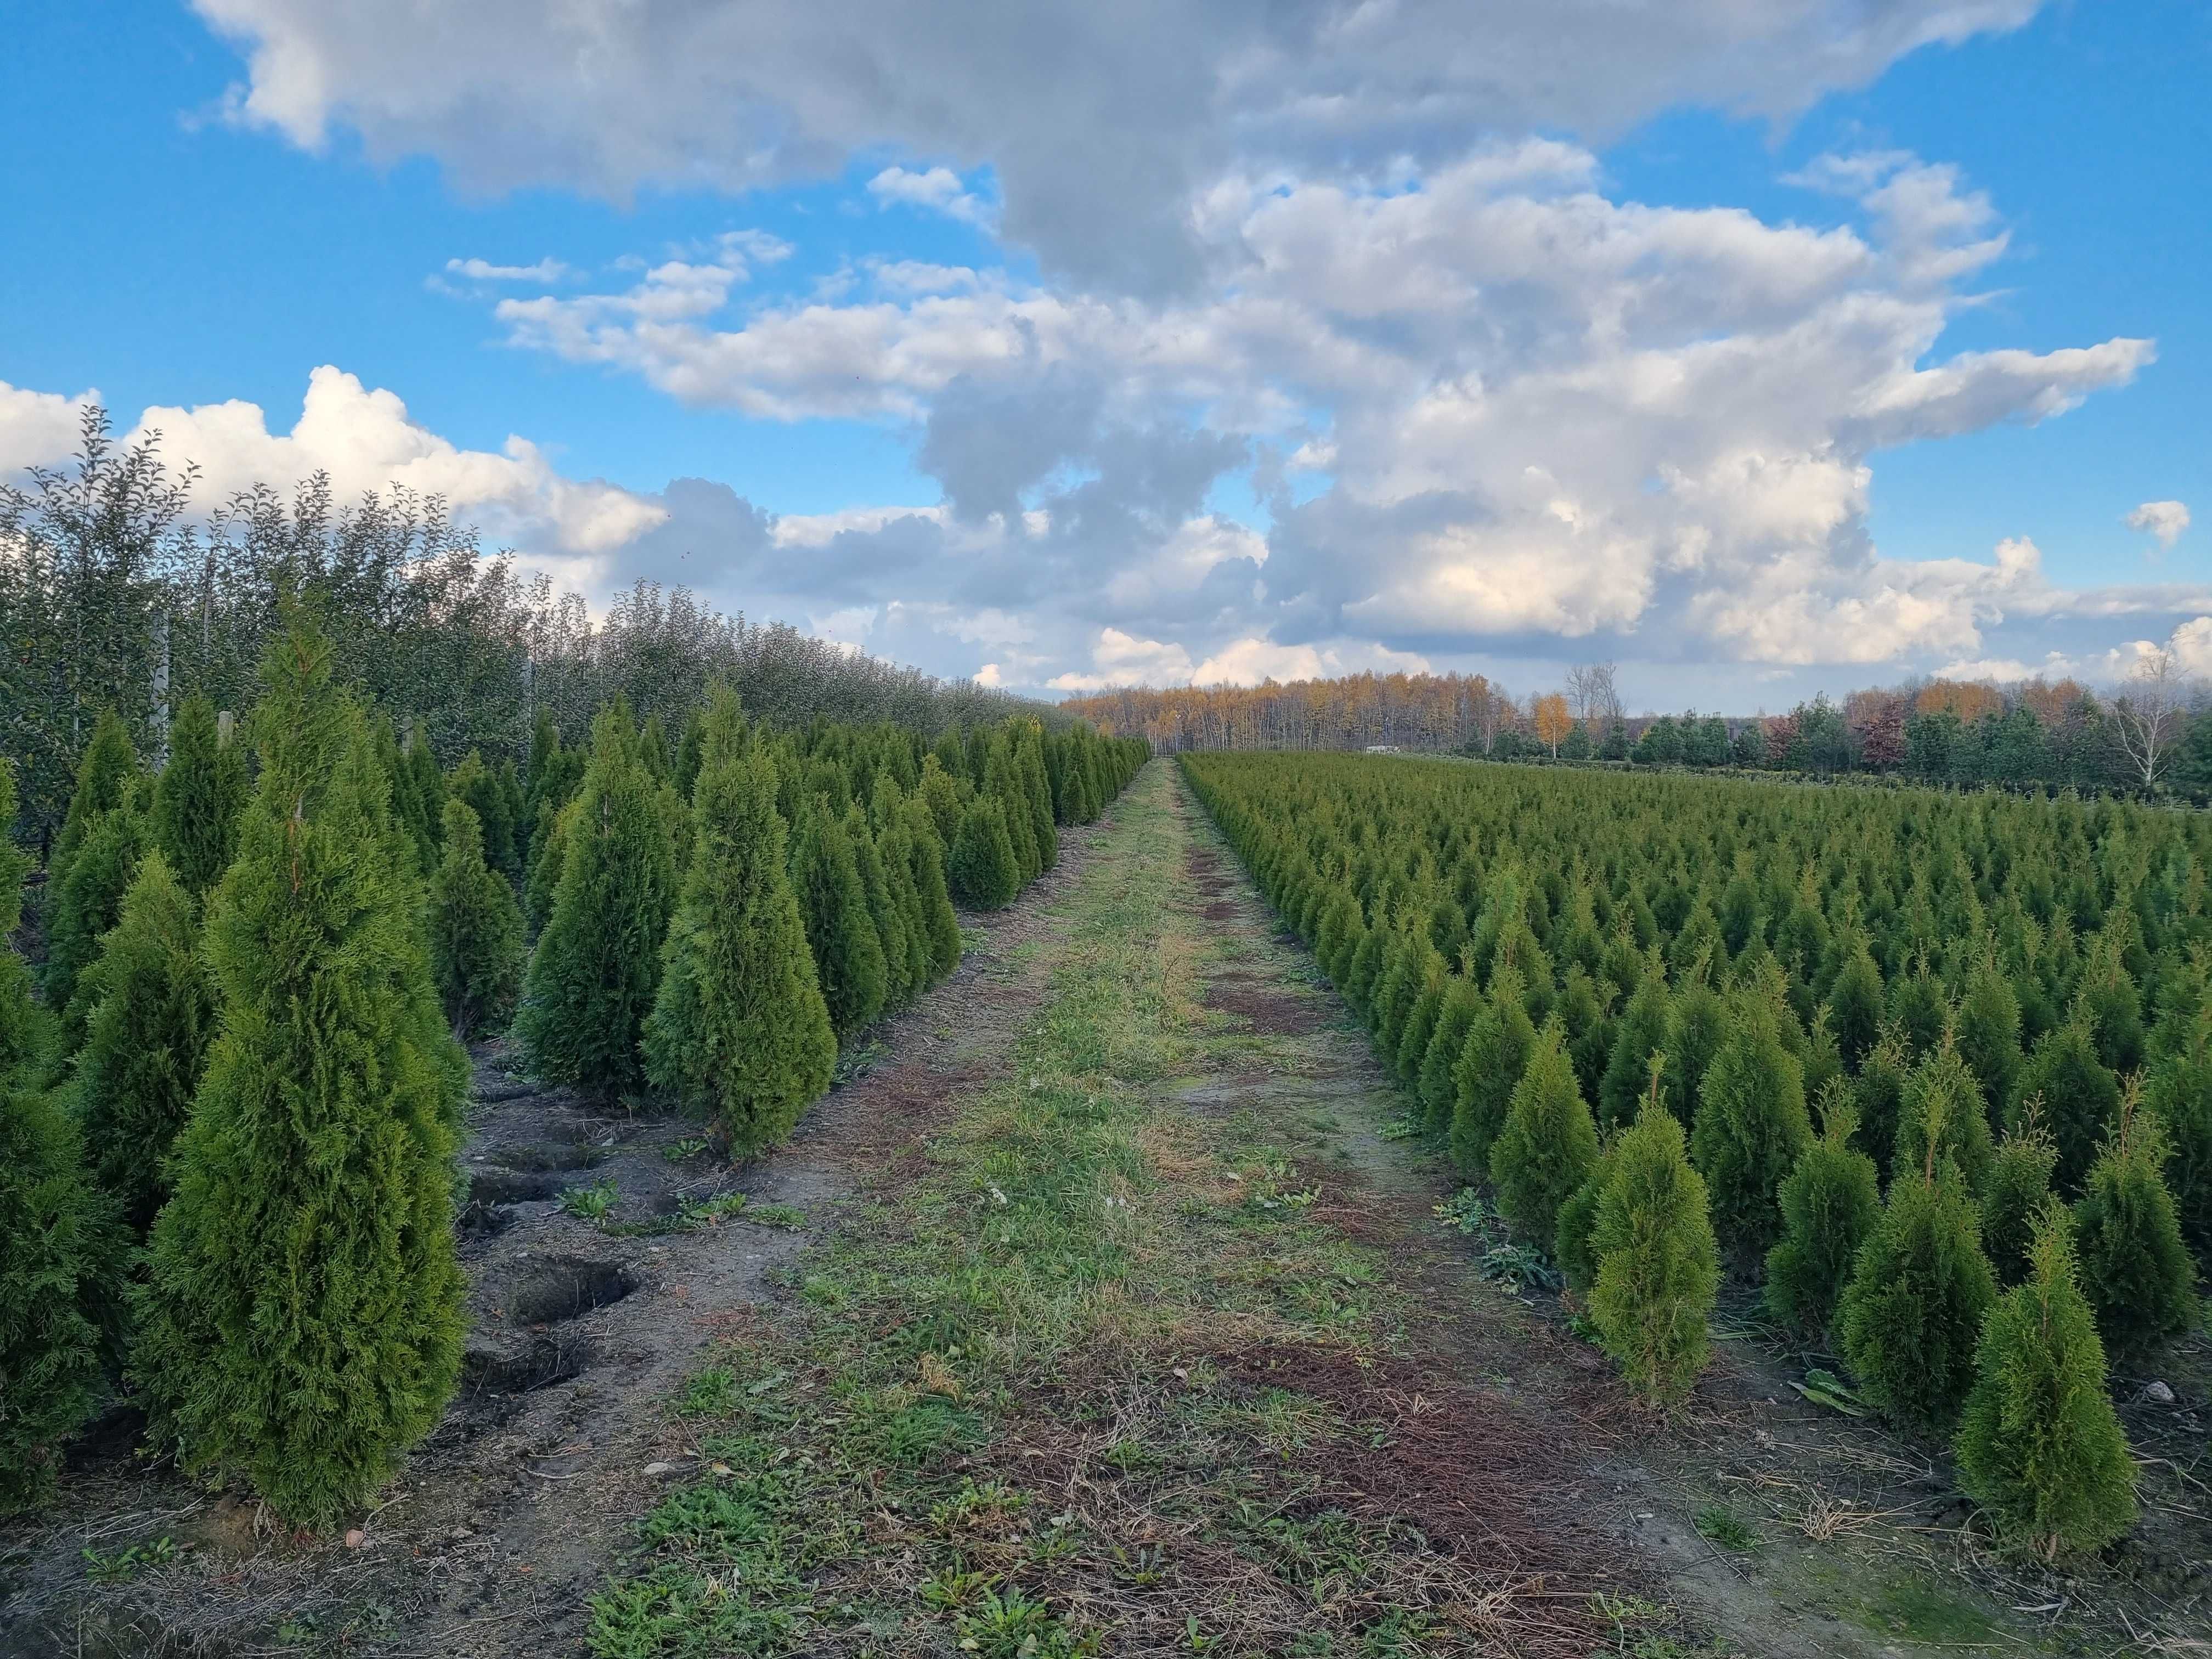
<point>1762,347</point>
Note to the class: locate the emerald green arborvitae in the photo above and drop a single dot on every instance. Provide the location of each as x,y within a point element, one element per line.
<point>475,929</point>
<point>597,967</point>
<point>1941,1103</point>
<point>2136,1271</point>
<point>1880,1087</point>
<point>1641,1034</point>
<point>982,868</point>
<point>2080,1098</point>
<point>2180,1090</point>
<point>893,846</point>
<point>2039,1446</point>
<point>1455,1016</point>
<point>1908,1319</point>
<point>900,987</point>
<point>1697,1026</point>
<point>301,1324</point>
<point>89,901</point>
<point>1987,1031</point>
<point>548,858</point>
<point>1658,1265</point>
<point>146,1041</point>
<point>479,787</point>
<point>1547,1143</point>
<point>1830,1202</point>
<point>1029,756</point>
<point>848,953</point>
<point>1751,1128</point>
<point>57,1236</point>
<point>196,803</point>
<point>107,773</point>
<point>2014,1192</point>
<point>1855,1006</point>
<point>940,925</point>
<point>1003,781</point>
<point>1488,1070</point>
<point>739,1032</point>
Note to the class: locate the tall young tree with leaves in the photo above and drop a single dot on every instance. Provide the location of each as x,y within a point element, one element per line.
<point>594,975</point>
<point>314,1202</point>
<point>106,774</point>
<point>739,1030</point>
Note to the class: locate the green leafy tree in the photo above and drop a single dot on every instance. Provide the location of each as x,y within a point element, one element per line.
<point>301,1323</point>
<point>58,1238</point>
<point>848,953</point>
<point>475,929</point>
<point>594,975</point>
<point>2178,1090</point>
<point>1548,1142</point>
<point>146,1043</point>
<point>1830,1203</point>
<point>1658,1265</point>
<point>2136,1271</point>
<point>984,873</point>
<point>2039,1446</point>
<point>478,786</point>
<point>1908,1317</point>
<point>198,801</point>
<point>1751,1129</point>
<point>739,1030</point>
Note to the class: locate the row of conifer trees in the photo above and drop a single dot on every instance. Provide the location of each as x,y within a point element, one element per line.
<point>1663,1075</point>
<point>231,1100</point>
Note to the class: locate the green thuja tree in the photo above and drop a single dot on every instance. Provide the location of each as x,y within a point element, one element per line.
<point>58,1238</point>
<point>1941,1111</point>
<point>106,775</point>
<point>198,798</point>
<point>900,985</point>
<point>548,858</point>
<point>1455,1016</point>
<point>86,906</point>
<point>1697,1026</point>
<point>301,1323</point>
<point>2178,1090</point>
<point>739,1032</point>
<point>1830,1202</point>
<point>2014,1191</point>
<point>848,953</point>
<point>475,929</point>
<point>1855,1006</point>
<point>1907,1321</point>
<point>1491,1064</point>
<point>1987,1031</point>
<point>1642,1033</point>
<point>940,925</point>
<point>146,1042</point>
<point>478,786</point>
<point>594,976</point>
<point>892,847</point>
<point>1421,1022</point>
<point>1751,1129</point>
<point>1548,1142</point>
<point>984,873</point>
<point>2080,1097</point>
<point>2134,1269</point>
<point>1880,1090</point>
<point>2039,1446</point>
<point>1029,754</point>
<point>1658,1264</point>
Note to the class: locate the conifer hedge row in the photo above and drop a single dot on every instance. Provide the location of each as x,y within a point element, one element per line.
<point>229,1125</point>
<point>1883,1055</point>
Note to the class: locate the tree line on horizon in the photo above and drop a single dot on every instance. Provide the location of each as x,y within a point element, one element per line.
<point>2153,735</point>
<point>114,593</point>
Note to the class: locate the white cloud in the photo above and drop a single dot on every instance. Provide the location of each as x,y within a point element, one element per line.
<point>940,189</point>
<point>37,427</point>
<point>1119,659</point>
<point>2164,520</point>
<point>1250,661</point>
<point>548,270</point>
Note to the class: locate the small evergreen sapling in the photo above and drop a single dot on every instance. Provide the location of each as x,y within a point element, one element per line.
<point>1855,1006</point>
<point>90,900</point>
<point>2134,1269</point>
<point>940,925</point>
<point>1941,1111</point>
<point>848,953</point>
<point>1491,1065</point>
<point>1751,1128</point>
<point>739,1030</point>
<point>1641,1033</point>
<point>2039,1446</point>
<point>1830,1202</point>
<point>301,1323</point>
<point>594,976</point>
<point>1455,1016</point>
<point>106,775</point>
<point>198,798</point>
<point>984,875</point>
<point>900,985</point>
<point>475,929</point>
<point>2013,1193</point>
<point>2080,1098</point>
<point>1547,1143</point>
<point>146,1041</point>
<point>1909,1318</point>
<point>1658,1266</point>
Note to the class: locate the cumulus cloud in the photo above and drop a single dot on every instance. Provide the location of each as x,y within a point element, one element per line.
<point>939,189</point>
<point>2162,520</point>
<point>548,270</point>
<point>1101,125</point>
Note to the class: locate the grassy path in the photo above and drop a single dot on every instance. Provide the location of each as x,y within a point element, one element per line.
<point>1122,1361</point>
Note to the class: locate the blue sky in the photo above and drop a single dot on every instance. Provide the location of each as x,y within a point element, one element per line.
<point>1542,344</point>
